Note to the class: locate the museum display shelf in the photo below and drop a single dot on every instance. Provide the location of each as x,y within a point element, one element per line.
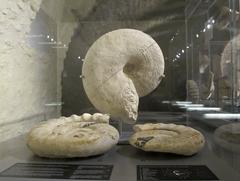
<point>123,161</point>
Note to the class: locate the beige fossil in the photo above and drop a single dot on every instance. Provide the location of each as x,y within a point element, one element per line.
<point>228,137</point>
<point>120,67</point>
<point>168,138</point>
<point>192,91</point>
<point>230,65</point>
<point>73,136</point>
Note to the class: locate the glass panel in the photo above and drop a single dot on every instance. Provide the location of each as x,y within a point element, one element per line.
<point>42,50</point>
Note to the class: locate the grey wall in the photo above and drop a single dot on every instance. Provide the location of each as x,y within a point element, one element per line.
<point>28,71</point>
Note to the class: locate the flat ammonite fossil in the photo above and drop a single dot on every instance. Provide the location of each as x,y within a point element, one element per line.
<point>75,136</point>
<point>168,138</point>
<point>228,137</point>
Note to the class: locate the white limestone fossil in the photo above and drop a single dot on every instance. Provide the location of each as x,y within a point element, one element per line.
<point>210,86</point>
<point>192,91</point>
<point>168,138</point>
<point>120,67</point>
<point>230,65</point>
<point>75,136</point>
<point>228,137</point>
<point>207,85</point>
<point>204,62</point>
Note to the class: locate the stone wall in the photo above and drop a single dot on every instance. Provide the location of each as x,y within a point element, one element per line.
<point>30,70</point>
<point>27,74</point>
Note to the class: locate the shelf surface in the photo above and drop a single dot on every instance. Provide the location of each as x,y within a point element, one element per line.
<point>125,159</point>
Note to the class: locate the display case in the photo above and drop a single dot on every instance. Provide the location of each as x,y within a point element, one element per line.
<point>212,46</point>
<point>190,109</point>
<point>212,64</point>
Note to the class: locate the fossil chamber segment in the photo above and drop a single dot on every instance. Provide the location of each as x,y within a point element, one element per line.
<point>120,67</point>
